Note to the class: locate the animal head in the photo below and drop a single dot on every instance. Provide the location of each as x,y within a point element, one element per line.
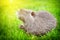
<point>24,14</point>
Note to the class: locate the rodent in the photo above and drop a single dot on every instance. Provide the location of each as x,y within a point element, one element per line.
<point>36,22</point>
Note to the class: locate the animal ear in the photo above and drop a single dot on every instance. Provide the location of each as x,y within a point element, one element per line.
<point>33,14</point>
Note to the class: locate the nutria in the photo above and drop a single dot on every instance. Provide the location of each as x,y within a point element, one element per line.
<point>36,22</point>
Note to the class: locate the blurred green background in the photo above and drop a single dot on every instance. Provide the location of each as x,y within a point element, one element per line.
<point>9,23</point>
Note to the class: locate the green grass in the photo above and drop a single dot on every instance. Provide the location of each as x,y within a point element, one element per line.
<point>9,23</point>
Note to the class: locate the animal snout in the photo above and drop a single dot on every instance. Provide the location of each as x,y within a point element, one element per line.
<point>22,18</point>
